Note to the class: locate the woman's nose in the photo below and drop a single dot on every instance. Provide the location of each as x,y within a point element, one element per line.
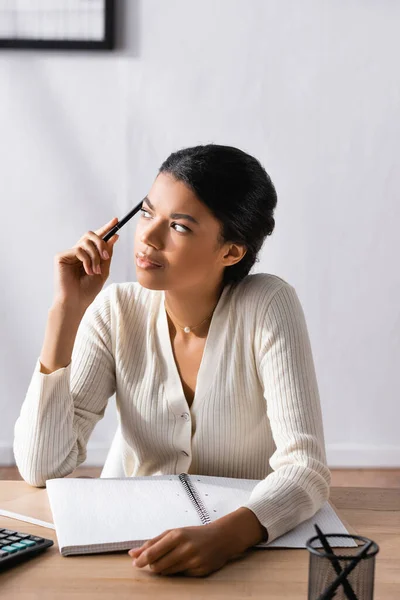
<point>151,235</point>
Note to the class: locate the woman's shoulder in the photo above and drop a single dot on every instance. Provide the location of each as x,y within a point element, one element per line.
<point>260,293</point>
<point>127,296</point>
<point>259,287</point>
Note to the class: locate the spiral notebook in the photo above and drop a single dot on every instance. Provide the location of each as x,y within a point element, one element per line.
<point>112,514</point>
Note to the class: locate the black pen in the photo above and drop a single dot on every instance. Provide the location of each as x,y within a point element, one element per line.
<point>122,222</point>
<point>336,564</point>
<point>331,591</point>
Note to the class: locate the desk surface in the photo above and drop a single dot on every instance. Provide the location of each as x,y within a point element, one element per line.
<point>261,574</point>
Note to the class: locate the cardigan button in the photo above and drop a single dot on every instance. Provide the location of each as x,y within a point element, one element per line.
<point>185,416</point>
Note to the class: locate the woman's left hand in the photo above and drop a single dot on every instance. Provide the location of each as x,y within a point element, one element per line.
<point>197,551</point>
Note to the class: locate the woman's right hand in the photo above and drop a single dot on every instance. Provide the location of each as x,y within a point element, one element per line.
<point>77,281</point>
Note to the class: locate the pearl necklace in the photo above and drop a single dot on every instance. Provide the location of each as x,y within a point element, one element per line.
<point>189,329</point>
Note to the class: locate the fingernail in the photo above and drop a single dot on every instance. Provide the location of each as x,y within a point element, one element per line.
<point>106,255</point>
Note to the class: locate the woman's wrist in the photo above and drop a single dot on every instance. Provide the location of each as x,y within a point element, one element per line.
<point>241,529</point>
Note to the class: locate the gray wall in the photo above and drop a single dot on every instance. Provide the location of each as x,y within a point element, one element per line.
<point>311,88</point>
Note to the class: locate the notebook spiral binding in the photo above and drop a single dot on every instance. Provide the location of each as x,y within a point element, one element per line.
<point>194,496</point>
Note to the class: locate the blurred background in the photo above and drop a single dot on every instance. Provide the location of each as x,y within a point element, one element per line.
<point>312,89</point>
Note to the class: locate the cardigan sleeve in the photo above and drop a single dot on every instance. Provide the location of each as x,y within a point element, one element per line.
<point>61,409</point>
<point>299,484</point>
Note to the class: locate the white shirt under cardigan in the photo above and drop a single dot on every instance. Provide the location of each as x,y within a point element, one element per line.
<point>255,415</point>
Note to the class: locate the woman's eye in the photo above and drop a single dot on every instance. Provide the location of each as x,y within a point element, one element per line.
<point>185,229</point>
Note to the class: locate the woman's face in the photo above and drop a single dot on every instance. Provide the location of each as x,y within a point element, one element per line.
<point>186,246</point>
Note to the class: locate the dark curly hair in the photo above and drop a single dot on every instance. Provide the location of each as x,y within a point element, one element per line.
<point>237,190</point>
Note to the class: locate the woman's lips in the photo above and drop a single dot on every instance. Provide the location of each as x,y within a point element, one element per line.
<point>145,264</point>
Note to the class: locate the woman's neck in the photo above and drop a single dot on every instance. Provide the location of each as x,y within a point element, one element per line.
<point>188,308</point>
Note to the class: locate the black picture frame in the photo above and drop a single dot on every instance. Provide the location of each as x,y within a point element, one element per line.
<point>107,43</point>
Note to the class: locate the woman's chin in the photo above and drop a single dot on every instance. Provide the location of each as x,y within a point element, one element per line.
<point>147,281</point>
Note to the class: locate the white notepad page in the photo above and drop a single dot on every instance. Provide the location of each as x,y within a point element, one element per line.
<point>102,511</point>
<point>222,495</point>
<point>89,512</point>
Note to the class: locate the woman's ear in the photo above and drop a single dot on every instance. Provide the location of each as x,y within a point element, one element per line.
<point>234,255</point>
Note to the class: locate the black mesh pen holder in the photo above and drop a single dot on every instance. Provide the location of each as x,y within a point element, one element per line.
<point>341,573</point>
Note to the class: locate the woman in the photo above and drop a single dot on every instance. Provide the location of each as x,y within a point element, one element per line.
<point>212,367</point>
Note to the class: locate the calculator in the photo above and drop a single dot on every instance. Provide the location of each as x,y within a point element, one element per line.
<point>16,547</point>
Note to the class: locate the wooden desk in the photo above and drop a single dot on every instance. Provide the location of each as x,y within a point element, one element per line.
<point>260,574</point>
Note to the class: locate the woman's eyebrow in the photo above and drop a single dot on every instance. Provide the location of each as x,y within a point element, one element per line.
<point>172,215</point>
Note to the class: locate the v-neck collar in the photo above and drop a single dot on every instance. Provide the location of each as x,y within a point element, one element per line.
<point>211,353</point>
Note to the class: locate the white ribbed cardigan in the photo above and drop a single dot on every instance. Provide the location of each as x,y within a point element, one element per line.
<point>256,412</point>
